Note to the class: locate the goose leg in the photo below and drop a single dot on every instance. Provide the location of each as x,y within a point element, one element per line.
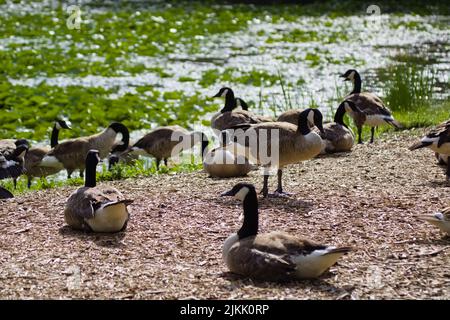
<point>279,191</point>
<point>448,170</point>
<point>372,132</point>
<point>359,135</point>
<point>265,189</point>
<point>165,161</point>
<point>69,173</point>
<point>29,182</point>
<point>81,173</point>
<point>15,183</point>
<point>157,163</point>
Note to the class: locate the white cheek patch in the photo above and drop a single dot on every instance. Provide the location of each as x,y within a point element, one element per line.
<point>351,76</point>
<point>224,93</point>
<point>311,117</point>
<point>58,126</point>
<point>439,216</point>
<point>242,193</point>
<point>432,140</point>
<point>8,163</point>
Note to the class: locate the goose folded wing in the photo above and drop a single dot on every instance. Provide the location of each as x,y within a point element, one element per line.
<point>72,151</point>
<point>261,264</point>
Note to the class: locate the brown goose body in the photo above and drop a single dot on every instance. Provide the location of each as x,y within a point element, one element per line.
<point>336,138</point>
<point>273,256</point>
<point>290,116</point>
<point>160,142</point>
<point>226,162</point>
<point>293,146</point>
<point>226,120</point>
<point>165,142</point>
<point>278,256</point>
<point>71,154</point>
<point>98,209</point>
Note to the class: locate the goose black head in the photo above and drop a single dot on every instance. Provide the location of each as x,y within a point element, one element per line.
<point>19,153</point>
<point>61,124</point>
<point>223,92</point>
<point>24,142</point>
<point>240,191</point>
<point>349,75</point>
<point>315,117</point>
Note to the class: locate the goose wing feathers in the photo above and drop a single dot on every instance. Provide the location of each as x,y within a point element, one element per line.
<point>268,255</point>
<point>71,151</point>
<point>369,103</point>
<point>229,119</point>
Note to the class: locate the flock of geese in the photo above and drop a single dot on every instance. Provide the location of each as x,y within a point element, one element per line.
<point>302,136</point>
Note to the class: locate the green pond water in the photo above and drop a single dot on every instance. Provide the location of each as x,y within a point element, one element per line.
<point>150,63</point>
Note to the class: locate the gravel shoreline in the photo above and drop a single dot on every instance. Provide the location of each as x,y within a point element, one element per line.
<point>172,247</point>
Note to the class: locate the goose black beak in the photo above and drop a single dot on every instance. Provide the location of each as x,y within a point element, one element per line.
<point>217,95</point>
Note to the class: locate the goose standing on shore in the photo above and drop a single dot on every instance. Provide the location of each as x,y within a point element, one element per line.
<point>374,112</point>
<point>228,118</point>
<point>336,135</point>
<point>93,208</point>
<point>294,144</point>
<point>438,140</point>
<point>273,256</point>
<point>71,154</point>
<point>34,156</point>
<point>165,142</point>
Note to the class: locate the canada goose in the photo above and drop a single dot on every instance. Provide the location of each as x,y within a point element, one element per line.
<point>294,144</point>
<point>165,142</point>
<point>97,209</point>
<point>438,140</point>
<point>5,194</point>
<point>337,136</point>
<point>11,164</point>
<point>228,118</point>
<point>374,112</point>
<point>275,255</point>
<point>34,156</point>
<point>227,161</point>
<point>439,219</point>
<point>71,154</point>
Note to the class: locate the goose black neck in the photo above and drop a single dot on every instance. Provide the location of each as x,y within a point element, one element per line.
<point>205,143</point>
<point>356,83</point>
<point>303,126</point>
<point>91,172</point>
<point>54,136</point>
<point>339,115</point>
<point>230,102</point>
<point>250,226</point>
